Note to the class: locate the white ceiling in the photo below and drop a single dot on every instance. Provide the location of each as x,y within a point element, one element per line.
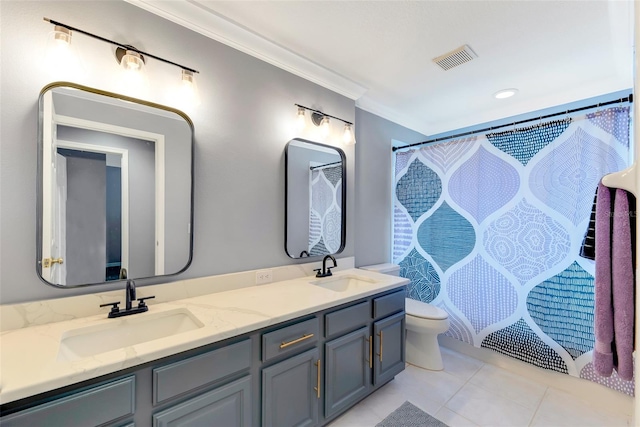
<point>380,52</point>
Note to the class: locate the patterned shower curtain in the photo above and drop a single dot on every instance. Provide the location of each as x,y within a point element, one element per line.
<point>489,229</point>
<point>325,213</point>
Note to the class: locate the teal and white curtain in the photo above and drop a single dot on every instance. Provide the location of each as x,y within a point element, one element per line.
<point>489,228</point>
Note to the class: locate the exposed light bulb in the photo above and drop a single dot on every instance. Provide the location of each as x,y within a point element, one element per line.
<point>132,61</point>
<point>133,78</point>
<point>189,96</point>
<point>62,61</point>
<point>185,95</point>
<point>324,127</point>
<point>347,135</point>
<point>62,35</point>
<point>301,119</point>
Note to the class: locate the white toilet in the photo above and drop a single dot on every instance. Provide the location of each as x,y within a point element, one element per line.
<point>424,323</point>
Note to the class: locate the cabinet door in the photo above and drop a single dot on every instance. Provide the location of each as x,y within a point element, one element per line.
<point>388,344</point>
<point>291,391</point>
<point>347,370</point>
<point>229,406</point>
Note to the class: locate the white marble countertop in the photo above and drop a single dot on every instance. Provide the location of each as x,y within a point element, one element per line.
<point>29,357</point>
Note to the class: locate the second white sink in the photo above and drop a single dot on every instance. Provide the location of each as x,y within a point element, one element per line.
<point>124,332</point>
<point>343,283</point>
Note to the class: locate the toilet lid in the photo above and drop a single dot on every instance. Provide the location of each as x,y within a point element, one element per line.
<point>424,310</point>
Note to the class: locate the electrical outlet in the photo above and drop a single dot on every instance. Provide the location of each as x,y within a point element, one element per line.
<point>264,276</point>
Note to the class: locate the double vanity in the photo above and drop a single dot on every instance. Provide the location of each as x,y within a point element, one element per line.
<point>294,352</point>
<point>211,351</point>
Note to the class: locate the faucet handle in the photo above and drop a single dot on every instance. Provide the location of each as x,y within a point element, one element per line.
<point>329,273</point>
<point>319,271</point>
<point>141,302</point>
<point>114,308</point>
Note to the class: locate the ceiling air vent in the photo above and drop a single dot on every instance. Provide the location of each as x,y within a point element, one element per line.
<point>456,57</point>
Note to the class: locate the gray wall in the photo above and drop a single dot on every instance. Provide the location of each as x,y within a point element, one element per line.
<point>246,117</point>
<point>374,174</point>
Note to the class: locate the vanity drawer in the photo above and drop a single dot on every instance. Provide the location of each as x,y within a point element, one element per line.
<point>347,319</point>
<point>388,304</point>
<point>189,374</point>
<point>290,339</point>
<point>92,407</point>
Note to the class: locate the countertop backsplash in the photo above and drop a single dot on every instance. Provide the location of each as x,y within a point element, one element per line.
<point>16,316</point>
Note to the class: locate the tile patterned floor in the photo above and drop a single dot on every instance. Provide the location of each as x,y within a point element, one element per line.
<point>472,393</point>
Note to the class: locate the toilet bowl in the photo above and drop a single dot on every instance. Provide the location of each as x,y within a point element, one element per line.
<point>423,323</point>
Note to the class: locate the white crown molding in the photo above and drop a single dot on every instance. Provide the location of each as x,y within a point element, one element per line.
<point>412,123</point>
<point>200,19</point>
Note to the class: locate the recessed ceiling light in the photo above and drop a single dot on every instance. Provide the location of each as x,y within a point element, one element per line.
<point>505,93</point>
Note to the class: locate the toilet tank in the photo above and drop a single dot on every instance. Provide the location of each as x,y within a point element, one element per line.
<point>388,268</point>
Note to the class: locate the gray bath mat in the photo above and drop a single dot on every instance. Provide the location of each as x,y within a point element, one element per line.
<point>408,415</point>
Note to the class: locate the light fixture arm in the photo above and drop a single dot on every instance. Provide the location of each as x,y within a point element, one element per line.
<point>323,114</point>
<point>121,45</point>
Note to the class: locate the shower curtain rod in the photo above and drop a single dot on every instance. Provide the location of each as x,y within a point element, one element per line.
<point>561,113</point>
<point>322,166</point>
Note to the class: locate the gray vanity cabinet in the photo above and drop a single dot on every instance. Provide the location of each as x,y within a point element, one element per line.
<point>388,342</point>
<point>291,391</point>
<point>228,406</point>
<point>303,372</point>
<point>347,370</point>
<point>364,349</point>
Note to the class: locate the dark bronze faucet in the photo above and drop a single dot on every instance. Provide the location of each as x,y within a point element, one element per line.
<point>130,295</point>
<point>326,271</point>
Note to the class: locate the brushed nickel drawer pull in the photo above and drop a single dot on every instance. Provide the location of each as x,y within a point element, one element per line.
<point>302,338</point>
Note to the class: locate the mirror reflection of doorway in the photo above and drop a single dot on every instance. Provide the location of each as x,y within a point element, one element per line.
<point>91,183</point>
<point>114,268</point>
<point>94,216</point>
<point>134,190</point>
<point>86,215</point>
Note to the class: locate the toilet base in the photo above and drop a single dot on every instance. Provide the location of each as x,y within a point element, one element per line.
<point>423,350</point>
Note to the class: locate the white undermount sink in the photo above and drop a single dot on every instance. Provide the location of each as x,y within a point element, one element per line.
<point>344,283</point>
<point>124,332</point>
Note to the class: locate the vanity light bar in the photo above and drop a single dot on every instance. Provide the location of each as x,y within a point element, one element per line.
<point>323,114</point>
<point>121,45</point>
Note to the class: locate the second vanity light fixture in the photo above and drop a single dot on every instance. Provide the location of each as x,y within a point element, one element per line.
<point>132,60</point>
<point>322,120</point>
